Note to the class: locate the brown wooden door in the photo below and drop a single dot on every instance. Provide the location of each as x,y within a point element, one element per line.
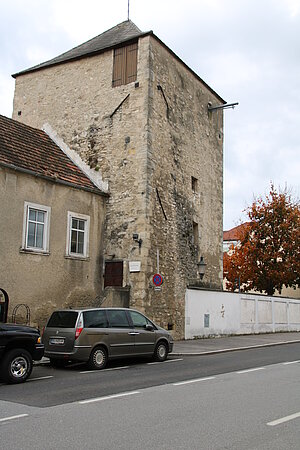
<point>113,275</point>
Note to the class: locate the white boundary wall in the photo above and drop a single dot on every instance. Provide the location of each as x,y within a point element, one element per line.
<point>209,313</point>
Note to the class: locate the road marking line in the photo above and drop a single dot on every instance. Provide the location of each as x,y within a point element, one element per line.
<point>40,378</point>
<point>251,370</point>
<point>108,397</point>
<point>13,417</point>
<point>283,419</point>
<point>180,383</point>
<point>105,370</point>
<point>291,362</point>
<point>173,360</point>
<point>169,360</point>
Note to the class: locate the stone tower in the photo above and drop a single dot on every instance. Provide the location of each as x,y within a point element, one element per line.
<point>135,112</point>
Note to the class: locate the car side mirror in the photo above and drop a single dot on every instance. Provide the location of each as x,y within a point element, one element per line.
<point>149,327</point>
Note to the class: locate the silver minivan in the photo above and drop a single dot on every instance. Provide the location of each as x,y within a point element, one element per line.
<point>95,335</point>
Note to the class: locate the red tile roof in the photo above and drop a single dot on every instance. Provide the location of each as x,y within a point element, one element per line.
<point>235,233</point>
<point>31,150</point>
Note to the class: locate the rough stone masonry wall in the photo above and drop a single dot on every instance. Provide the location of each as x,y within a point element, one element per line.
<point>185,141</point>
<point>78,101</point>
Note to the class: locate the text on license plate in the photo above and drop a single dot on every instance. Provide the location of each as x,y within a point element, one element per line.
<point>56,341</point>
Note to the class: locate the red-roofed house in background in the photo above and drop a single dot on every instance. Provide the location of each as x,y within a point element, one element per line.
<point>232,238</point>
<point>51,223</point>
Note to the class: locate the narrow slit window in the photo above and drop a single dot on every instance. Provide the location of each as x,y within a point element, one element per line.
<point>195,234</point>
<point>194,185</point>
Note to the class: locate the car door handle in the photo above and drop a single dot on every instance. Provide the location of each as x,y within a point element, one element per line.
<point>133,333</point>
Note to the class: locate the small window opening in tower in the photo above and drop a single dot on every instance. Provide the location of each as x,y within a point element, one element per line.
<point>194,185</point>
<point>195,234</point>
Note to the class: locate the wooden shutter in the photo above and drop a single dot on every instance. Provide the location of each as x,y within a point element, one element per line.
<point>131,62</point>
<point>119,66</point>
<point>125,65</point>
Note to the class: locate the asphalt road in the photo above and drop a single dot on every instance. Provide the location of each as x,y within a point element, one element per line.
<point>48,386</point>
<point>242,400</point>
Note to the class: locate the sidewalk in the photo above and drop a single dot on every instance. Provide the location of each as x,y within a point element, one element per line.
<point>212,345</point>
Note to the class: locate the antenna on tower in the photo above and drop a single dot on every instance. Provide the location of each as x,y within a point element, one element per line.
<point>128,11</point>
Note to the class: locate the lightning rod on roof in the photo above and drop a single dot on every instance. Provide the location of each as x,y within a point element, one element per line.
<point>128,11</point>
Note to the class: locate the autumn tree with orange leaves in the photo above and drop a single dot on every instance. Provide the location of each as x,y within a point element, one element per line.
<point>268,254</point>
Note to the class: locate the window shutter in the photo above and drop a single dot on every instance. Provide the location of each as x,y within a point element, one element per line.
<point>119,66</point>
<point>131,63</point>
<point>125,65</point>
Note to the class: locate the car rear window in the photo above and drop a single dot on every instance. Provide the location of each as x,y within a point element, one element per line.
<point>63,319</point>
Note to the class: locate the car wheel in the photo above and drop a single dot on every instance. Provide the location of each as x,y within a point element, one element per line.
<point>161,352</point>
<point>16,366</point>
<point>55,362</point>
<point>98,358</point>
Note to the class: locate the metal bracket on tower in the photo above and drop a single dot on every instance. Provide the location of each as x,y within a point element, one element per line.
<point>226,106</point>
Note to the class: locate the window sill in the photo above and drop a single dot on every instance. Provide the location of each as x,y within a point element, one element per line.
<point>34,252</point>
<point>78,258</point>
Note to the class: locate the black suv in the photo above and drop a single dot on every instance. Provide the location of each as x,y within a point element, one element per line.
<point>19,346</point>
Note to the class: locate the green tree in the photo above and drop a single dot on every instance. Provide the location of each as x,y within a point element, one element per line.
<point>268,255</point>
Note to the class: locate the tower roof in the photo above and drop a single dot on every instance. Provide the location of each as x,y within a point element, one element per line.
<point>123,32</point>
<point>120,34</point>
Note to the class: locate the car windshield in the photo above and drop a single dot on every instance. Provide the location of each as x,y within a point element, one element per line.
<point>63,319</point>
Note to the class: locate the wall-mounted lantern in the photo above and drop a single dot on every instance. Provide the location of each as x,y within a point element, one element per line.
<point>201,267</point>
<point>136,238</point>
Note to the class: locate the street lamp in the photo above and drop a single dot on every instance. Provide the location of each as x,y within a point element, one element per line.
<point>201,267</point>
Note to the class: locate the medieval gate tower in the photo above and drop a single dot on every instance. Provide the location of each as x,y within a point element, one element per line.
<point>136,113</point>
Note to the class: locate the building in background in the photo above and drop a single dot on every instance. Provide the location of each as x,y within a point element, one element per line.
<point>51,225</point>
<point>231,239</point>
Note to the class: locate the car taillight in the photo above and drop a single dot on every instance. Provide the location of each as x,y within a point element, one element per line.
<point>79,326</point>
<point>77,332</point>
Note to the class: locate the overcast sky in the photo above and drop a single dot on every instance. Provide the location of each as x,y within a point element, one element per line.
<point>248,51</point>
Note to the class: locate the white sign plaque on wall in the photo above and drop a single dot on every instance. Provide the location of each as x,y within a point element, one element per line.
<point>134,266</point>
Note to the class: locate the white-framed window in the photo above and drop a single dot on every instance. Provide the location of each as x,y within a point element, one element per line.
<point>78,235</point>
<point>36,228</point>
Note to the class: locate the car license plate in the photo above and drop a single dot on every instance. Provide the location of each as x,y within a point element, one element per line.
<point>56,341</point>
